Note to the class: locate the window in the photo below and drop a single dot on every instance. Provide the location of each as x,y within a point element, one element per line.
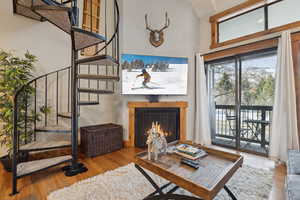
<point>253,19</point>
<point>91,22</point>
<point>245,24</point>
<point>283,12</point>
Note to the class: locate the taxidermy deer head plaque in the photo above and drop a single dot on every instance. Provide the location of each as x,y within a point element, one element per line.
<point>157,36</point>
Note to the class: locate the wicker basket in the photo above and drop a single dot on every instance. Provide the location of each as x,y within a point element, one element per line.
<point>101,139</point>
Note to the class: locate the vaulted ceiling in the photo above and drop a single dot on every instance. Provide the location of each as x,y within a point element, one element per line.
<point>205,8</point>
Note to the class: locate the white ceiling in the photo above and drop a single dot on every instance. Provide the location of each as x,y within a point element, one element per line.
<point>205,8</point>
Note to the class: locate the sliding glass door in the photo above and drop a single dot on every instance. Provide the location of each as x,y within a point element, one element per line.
<point>222,91</point>
<point>241,92</point>
<point>257,98</point>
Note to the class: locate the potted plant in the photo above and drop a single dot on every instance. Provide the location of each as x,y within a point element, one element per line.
<point>15,72</point>
<point>45,110</point>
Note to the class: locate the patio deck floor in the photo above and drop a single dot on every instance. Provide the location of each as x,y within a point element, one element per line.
<point>247,146</point>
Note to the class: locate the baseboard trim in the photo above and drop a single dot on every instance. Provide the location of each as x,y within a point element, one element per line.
<point>127,143</point>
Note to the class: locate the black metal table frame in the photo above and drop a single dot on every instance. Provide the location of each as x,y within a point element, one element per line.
<point>169,195</point>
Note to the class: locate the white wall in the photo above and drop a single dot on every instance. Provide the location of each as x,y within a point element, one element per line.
<point>205,34</point>
<point>181,40</point>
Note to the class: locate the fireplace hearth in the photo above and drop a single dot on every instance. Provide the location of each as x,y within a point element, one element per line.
<point>166,119</point>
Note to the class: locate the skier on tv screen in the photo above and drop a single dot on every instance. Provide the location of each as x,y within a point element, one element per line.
<point>146,76</point>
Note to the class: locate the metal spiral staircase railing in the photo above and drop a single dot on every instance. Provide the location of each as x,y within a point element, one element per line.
<point>68,88</point>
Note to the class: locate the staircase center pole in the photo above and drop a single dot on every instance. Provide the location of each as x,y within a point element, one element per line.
<point>74,105</point>
<point>75,167</point>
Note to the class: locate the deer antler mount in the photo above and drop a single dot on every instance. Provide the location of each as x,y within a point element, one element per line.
<point>157,35</point>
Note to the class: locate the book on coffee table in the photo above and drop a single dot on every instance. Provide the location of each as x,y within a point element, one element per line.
<point>200,155</point>
<point>189,152</point>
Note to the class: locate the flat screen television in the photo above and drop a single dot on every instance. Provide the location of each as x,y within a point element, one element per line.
<point>154,75</point>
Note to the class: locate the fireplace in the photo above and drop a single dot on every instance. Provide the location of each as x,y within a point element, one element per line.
<point>178,131</point>
<point>166,120</point>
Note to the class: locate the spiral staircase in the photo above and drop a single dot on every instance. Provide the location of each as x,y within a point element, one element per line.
<point>66,90</point>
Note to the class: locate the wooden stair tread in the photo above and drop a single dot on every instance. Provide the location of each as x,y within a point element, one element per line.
<point>38,146</point>
<point>52,2</point>
<point>84,39</point>
<point>65,115</point>
<point>98,60</point>
<point>94,91</point>
<point>88,103</point>
<point>28,3</point>
<point>57,15</point>
<point>98,77</point>
<point>27,12</point>
<point>56,129</point>
<point>23,7</point>
<point>30,167</point>
<point>61,17</point>
<point>51,7</point>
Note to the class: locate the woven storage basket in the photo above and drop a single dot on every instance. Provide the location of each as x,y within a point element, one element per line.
<point>101,139</point>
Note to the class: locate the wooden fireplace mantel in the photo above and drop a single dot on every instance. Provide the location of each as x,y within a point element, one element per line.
<point>182,105</point>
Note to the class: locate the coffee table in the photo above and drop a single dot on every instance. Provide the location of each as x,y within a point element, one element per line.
<point>214,172</point>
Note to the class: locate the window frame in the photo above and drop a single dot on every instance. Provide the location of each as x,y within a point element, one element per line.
<point>216,20</point>
<point>89,24</point>
<point>244,13</point>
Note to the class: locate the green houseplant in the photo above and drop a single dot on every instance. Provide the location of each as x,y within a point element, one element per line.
<point>15,72</point>
<point>45,110</point>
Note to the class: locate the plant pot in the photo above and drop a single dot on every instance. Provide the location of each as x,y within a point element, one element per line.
<point>7,161</point>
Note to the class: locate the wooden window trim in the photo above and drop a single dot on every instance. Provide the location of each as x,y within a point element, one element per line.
<point>247,48</point>
<point>250,3</point>
<point>95,3</point>
<point>235,9</point>
<point>91,22</point>
<point>241,49</point>
<point>85,27</point>
<point>296,60</point>
<point>93,15</point>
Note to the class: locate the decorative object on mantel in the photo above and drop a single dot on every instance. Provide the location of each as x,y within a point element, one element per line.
<point>157,36</point>
<point>248,183</point>
<point>156,141</point>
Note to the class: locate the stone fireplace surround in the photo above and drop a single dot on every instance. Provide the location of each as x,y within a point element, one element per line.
<point>182,105</point>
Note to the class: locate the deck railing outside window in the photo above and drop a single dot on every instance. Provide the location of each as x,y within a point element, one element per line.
<point>255,124</point>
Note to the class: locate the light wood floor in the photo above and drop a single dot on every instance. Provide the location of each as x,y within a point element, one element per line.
<point>38,186</point>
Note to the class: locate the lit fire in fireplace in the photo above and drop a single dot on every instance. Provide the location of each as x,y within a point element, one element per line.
<point>157,128</point>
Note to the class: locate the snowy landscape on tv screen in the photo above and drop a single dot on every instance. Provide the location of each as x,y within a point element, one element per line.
<point>154,75</point>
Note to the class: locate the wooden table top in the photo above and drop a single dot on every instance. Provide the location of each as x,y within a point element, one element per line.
<point>214,172</point>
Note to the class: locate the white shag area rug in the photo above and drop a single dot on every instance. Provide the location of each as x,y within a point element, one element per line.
<point>127,183</point>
